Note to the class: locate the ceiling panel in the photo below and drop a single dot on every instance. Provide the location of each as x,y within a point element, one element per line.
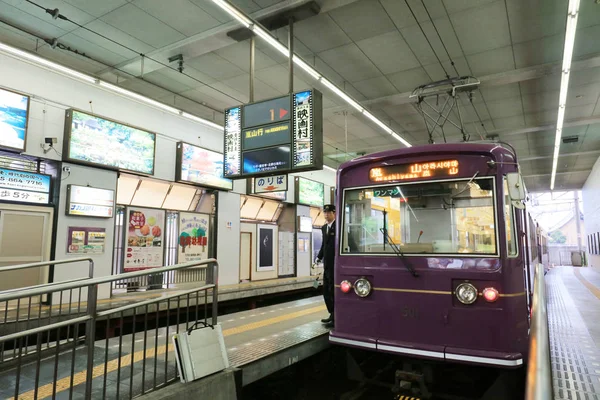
<point>589,14</point>
<point>492,62</point>
<point>493,93</point>
<point>218,102</point>
<point>93,50</point>
<point>544,84</point>
<point>16,38</point>
<point>182,15</point>
<point>216,92</point>
<point>407,81</point>
<point>505,108</point>
<point>320,33</point>
<point>518,121</point>
<point>402,17</point>
<point>579,112</point>
<point>482,28</point>
<point>142,26</point>
<point>350,62</point>
<point>375,87</point>
<point>215,66</point>
<point>541,51</point>
<point>363,19</point>
<point>34,23</point>
<point>454,6</point>
<point>437,73</point>
<point>95,7</point>
<point>389,52</point>
<point>530,20</point>
<point>586,41</point>
<point>176,80</point>
<point>239,55</point>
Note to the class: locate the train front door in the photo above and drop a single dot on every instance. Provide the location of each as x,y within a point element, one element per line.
<point>25,237</point>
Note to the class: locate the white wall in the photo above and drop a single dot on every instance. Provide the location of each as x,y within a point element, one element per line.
<point>591,209</point>
<point>254,274</point>
<point>228,239</point>
<point>55,93</point>
<point>97,178</point>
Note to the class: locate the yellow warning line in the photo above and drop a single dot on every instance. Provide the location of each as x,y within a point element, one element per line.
<point>113,365</point>
<point>591,287</point>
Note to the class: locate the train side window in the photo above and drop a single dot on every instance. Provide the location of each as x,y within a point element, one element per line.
<point>511,243</point>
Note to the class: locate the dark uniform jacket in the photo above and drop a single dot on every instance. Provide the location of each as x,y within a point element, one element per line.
<point>327,252</point>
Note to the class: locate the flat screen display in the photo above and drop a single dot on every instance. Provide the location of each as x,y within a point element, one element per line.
<point>94,140</point>
<point>14,108</point>
<point>310,193</point>
<point>87,201</point>
<point>24,187</point>
<point>272,159</point>
<point>201,166</point>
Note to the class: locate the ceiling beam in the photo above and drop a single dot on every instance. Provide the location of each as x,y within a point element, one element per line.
<point>549,127</point>
<point>499,79</point>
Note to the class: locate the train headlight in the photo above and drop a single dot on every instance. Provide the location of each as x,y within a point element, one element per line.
<point>362,287</point>
<point>466,293</point>
<point>345,286</point>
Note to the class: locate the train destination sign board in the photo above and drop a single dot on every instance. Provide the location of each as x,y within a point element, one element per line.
<point>274,136</point>
<point>414,171</point>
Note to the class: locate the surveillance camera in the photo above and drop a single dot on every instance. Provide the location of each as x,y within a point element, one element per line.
<point>50,140</point>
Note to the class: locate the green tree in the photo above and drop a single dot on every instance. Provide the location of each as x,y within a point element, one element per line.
<point>558,237</point>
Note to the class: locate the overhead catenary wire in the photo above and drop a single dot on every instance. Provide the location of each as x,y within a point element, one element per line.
<point>57,15</point>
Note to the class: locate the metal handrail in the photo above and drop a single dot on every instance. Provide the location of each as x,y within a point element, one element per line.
<point>91,311</point>
<point>36,291</point>
<point>539,376</point>
<point>54,262</point>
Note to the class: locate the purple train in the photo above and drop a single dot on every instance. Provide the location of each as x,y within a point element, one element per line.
<point>436,253</point>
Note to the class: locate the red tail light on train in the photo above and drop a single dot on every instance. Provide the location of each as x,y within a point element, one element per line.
<point>345,286</point>
<point>490,294</point>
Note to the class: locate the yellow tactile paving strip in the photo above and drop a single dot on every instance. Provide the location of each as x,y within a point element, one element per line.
<point>591,287</point>
<point>113,365</point>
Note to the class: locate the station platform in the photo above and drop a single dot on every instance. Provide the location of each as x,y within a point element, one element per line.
<point>574,325</point>
<point>259,342</point>
<point>234,292</point>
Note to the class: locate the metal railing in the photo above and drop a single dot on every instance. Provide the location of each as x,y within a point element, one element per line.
<point>65,355</point>
<point>30,310</point>
<point>171,279</point>
<point>539,375</point>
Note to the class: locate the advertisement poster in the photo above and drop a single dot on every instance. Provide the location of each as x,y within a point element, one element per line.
<point>13,119</point>
<point>233,141</point>
<point>24,187</point>
<point>266,248</point>
<point>303,129</point>
<point>144,248</point>
<point>193,237</point>
<point>83,240</point>
<point>202,166</point>
<point>100,141</point>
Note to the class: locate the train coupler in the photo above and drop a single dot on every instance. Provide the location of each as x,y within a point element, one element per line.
<point>410,382</point>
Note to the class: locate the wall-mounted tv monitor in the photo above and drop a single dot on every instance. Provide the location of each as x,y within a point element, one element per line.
<point>85,201</point>
<point>14,110</point>
<point>309,193</point>
<point>200,166</point>
<point>90,139</point>
<point>272,159</point>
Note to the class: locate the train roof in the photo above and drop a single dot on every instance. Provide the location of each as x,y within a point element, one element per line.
<point>495,148</point>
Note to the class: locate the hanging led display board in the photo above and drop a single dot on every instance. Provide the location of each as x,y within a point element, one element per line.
<point>274,136</point>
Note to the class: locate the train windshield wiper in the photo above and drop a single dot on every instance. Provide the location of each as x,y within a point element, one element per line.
<point>399,253</point>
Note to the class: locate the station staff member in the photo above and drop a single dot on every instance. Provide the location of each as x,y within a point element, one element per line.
<point>327,254</point>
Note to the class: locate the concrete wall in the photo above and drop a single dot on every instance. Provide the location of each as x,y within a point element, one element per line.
<point>228,237</point>
<point>591,209</point>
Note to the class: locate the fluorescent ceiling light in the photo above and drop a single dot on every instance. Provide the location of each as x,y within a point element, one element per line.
<point>233,12</point>
<point>571,29</point>
<point>26,56</point>
<point>266,36</point>
<point>201,120</point>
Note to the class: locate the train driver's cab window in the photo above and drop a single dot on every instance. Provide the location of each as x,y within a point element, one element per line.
<point>456,217</point>
<point>511,243</point>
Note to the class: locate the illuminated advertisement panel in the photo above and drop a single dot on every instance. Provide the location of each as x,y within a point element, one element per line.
<point>14,109</point>
<point>87,201</point>
<point>414,171</point>
<point>233,142</point>
<point>310,193</point>
<point>200,166</point>
<point>93,140</point>
<point>24,187</point>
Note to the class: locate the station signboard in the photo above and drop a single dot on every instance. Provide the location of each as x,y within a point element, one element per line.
<point>24,187</point>
<point>274,136</point>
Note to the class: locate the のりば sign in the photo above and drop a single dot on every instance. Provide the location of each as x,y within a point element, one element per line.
<point>270,184</point>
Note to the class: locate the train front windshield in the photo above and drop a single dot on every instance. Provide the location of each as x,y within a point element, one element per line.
<point>450,217</point>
